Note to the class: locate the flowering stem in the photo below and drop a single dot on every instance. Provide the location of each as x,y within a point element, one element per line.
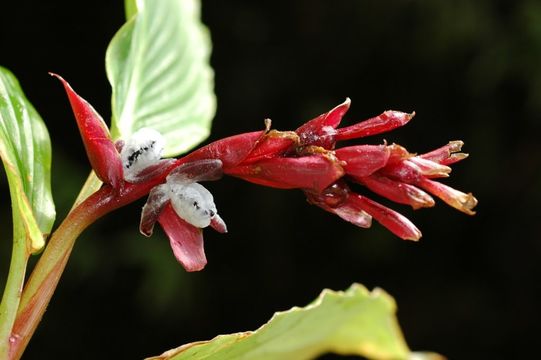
<point>45,276</point>
<point>42,283</point>
<point>13,288</point>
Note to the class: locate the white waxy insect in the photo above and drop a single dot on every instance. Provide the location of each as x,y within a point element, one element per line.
<point>140,152</point>
<point>193,203</point>
<point>190,200</point>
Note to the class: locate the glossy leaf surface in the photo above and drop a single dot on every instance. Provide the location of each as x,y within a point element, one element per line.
<point>158,66</point>
<point>25,149</point>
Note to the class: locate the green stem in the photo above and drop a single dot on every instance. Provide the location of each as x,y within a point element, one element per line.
<point>14,286</point>
<point>46,274</point>
<point>42,283</point>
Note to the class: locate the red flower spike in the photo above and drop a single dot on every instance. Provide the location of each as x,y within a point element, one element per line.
<point>308,172</point>
<point>100,149</point>
<point>304,159</point>
<point>395,222</point>
<point>363,160</point>
<point>186,240</point>
<point>320,131</point>
<point>307,160</point>
<point>387,121</point>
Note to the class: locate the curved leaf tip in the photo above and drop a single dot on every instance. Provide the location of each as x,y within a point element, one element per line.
<point>25,149</point>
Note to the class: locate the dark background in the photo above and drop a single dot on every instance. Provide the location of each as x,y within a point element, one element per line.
<point>470,69</point>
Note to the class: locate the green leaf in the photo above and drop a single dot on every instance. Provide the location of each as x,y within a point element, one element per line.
<point>351,322</point>
<point>130,8</point>
<point>158,67</point>
<point>25,149</point>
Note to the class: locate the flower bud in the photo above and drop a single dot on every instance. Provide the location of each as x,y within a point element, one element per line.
<point>100,149</point>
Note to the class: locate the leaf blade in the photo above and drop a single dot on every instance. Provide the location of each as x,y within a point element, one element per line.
<point>351,322</point>
<point>130,8</point>
<point>25,149</point>
<point>160,73</point>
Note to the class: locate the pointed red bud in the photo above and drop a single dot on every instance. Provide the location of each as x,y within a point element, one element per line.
<point>384,122</point>
<point>336,200</point>
<point>413,169</point>
<point>418,171</point>
<point>447,154</point>
<point>397,191</point>
<point>457,199</point>
<point>100,149</point>
<point>395,222</point>
<point>321,130</point>
<point>272,144</point>
<point>429,168</point>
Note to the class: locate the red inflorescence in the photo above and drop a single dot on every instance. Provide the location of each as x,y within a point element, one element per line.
<point>308,160</point>
<point>305,159</point>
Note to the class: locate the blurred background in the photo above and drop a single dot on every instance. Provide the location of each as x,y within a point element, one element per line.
<point>470,69</point>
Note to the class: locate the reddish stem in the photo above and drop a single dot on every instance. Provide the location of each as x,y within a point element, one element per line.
<point>44,279</point>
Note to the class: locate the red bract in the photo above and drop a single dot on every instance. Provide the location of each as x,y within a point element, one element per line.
<point>231,151</point>
<point>100,149</point>
<point>307,159</point>
<point>307,172</point>
<point>186,240</point>
<point>322,131</point>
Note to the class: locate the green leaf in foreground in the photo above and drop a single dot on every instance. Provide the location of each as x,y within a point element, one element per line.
<point>351,322</point>
<point>158,67</point>
<point>25,149</point>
